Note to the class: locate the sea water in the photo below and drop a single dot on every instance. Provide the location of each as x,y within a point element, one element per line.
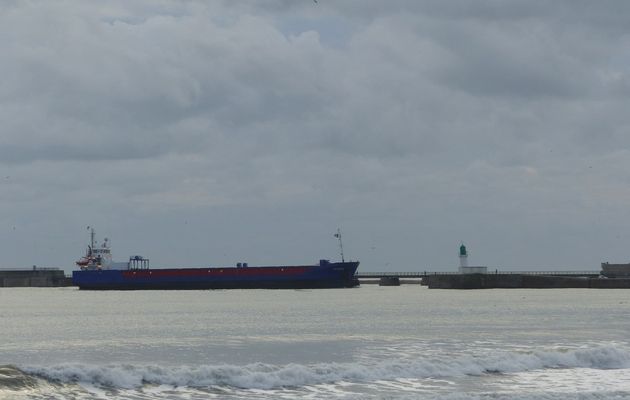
<point>371,342</point>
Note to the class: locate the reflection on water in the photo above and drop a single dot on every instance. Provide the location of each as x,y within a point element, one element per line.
<point>368,342</point>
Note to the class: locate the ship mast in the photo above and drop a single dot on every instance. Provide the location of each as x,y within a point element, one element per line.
<point>91,239</point>
<point>338,236</point>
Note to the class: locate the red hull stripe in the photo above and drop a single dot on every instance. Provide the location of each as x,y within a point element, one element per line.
<point>218,272</point>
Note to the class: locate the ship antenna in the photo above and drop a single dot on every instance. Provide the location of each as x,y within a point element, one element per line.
<point>338,236</point>
<point>91,237</point>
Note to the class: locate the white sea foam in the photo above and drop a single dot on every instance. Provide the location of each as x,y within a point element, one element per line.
<point>266,376</point>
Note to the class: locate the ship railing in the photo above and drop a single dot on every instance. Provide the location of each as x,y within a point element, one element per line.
<point>572,273</point>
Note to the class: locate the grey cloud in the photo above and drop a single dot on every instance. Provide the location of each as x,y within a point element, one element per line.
<point>414,123</point>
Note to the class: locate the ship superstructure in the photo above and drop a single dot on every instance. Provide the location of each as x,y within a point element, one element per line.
<point>96,256</point>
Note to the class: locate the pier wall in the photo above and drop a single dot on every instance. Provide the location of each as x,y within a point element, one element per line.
<point>34,278</point>
<point>401,281</point>
<point>518,281</point>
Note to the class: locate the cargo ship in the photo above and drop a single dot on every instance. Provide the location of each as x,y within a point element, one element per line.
<point>98,272</point>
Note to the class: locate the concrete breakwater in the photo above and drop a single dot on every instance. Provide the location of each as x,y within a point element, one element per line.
<point>53,277</point>
<point>521,281</point>
<point>47,277</point>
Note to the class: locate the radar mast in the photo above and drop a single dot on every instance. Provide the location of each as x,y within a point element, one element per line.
<point>338,236</point>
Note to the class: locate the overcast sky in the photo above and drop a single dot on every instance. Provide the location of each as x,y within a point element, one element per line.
<point>202,133</point>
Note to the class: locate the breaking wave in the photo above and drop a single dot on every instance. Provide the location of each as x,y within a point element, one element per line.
<point>266,376</point>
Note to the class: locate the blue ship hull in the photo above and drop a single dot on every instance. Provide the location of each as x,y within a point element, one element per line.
<point>324,275</point>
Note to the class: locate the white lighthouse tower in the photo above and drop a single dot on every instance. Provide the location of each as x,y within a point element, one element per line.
<point>463,263</point>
